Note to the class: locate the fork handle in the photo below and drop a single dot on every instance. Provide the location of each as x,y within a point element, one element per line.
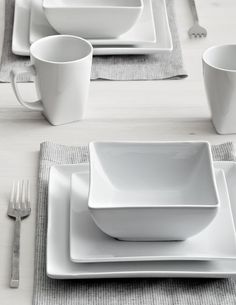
<point>194,10</point>
<point>14,282</point>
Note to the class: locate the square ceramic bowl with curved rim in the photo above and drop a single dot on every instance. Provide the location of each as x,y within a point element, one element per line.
<point>144,191</point>
<point>93,19</point>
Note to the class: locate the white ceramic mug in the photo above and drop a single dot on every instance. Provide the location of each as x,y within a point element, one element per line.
<point>61,65</point>
<point>219,72</point>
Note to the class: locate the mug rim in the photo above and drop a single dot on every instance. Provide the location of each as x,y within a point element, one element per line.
<point>217,47</point>
<point>61,62</point>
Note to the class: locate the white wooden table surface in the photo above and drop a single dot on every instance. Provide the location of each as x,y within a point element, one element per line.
<point>147,110</point>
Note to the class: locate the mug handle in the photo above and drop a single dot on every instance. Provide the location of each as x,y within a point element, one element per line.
<point>37,105</point>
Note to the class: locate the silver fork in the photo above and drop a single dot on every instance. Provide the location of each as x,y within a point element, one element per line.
<point>196,30</point>
<point>18,208</point>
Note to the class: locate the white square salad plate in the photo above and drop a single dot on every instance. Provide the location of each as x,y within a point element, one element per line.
<point>20,34</point>
<point>60,266</point>
<point>21,27</point>
<point>143,31</point>
<point>88,244</point>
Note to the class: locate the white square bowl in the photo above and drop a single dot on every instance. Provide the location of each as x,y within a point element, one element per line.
<point>92,19</point>
<point>152,191</point>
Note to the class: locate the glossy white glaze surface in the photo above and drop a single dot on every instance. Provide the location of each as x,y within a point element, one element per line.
<point>219,72</point>
<point>89,244</point>
<point>61,66</point>
<point>152,191</point>
<point>92,19</point>
<point>60,266</point>
<point>163,43</point>
<point>142,31</point>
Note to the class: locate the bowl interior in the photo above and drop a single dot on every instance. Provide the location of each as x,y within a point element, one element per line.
<point>92,3</point>
<point>142,174</point>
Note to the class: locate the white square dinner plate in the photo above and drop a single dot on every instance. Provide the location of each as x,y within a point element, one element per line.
<point>88,244</point>
<point>143,31</point>
<point>60,266</point>
<point>21,43</point>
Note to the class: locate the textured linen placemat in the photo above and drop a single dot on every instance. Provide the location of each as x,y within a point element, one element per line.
<point>125,67</point>
<point>113,291</point>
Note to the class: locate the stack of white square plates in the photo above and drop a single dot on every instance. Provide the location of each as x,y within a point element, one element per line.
<point>150,35</point>
<point>76,248</point>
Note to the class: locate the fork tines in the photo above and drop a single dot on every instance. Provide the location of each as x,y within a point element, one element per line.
<point>197,31</point>
<point>20,197</point>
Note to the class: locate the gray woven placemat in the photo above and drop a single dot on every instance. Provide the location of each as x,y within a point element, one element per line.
<point>123,291</point>
<point>132,67</point>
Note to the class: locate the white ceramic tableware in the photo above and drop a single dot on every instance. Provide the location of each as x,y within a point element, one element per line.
<point>92,18</point>
<point>20,33</point>
<point>88,244</point>
<point>143,30</point>
<point>163,44</point>
<point>152,190</point>
<point>219,72</point>
<point>60,266</point>
<point>39,26</point>
<point>61,66</point>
